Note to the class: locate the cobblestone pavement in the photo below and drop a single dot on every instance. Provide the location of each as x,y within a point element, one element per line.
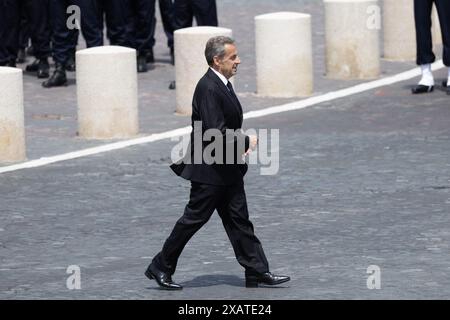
<point>363,180</point>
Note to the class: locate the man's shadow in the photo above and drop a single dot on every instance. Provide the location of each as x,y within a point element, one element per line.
<point>214,280</point>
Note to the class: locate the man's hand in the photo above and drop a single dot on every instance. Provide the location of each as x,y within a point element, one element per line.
<point>253,144</point>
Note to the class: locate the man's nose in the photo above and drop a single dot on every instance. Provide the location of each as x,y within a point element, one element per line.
<point>238,60</point>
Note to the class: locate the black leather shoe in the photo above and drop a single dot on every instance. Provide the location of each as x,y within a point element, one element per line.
<point>58,78</point>
<point>43,71</point>
<point>422,89</point>
<point>268,278</point>
<point>172,85</point>
<point>32,67</point>
<point>163,279</point>
<point>142,64</point>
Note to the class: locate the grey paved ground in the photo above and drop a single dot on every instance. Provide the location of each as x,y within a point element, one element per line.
<point>363,180</point>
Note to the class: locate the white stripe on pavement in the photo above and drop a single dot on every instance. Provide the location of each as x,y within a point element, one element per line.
<point>252,114</point>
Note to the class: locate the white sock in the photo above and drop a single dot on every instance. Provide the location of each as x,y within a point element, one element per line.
<point>427,76</point>
<point>448,80</point>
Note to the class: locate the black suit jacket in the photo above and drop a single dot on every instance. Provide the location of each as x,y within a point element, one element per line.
<point>216,107</point>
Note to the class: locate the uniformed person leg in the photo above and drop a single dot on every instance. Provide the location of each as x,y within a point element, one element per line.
<point>145,31</point>
<point>183,14</point>
<point>167,16</point>
<point>116,21</point>
<point>73,40</point>
<point>425,55</point>
<point>205,12</point>
<point>92,21</point>
<point>443,9</point>
<point>24,37</point>
<point>38,17</point>
<point>60,42</point>
<point>9,32</point>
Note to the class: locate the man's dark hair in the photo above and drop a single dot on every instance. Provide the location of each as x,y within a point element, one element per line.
<point>216,47</point>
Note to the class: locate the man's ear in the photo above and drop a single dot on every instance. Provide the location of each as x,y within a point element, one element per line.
<point>216,60</point>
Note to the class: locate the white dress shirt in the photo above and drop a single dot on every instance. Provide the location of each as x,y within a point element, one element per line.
<point>221,76</point>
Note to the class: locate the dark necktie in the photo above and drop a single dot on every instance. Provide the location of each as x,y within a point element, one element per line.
<point>230,87</point>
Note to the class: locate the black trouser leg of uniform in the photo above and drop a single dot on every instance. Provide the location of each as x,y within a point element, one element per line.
<point>422,17</point>
<point>167,16</point>
<point>62,37</point>
<point>443,9</point>
<point>9,30</point>
<point>116,20</point>
<point>91,21</point>
<point>205,12</point>
<point>141,25</point>
<point>38,22</point>
<point>24,30</point>
<point>183,14</point>
<point>235,218</point>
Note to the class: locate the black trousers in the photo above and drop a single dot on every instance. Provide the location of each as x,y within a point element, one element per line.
<point>64,40</point>
<point>230,202</point>
<point>141,23</point>
<point>422,15</point>
<point>167,10</point>
<point>93,13</point>
<point>37,15</point>
<point>204,11</point>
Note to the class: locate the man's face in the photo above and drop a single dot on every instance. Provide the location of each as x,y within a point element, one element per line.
<point>229,64</point>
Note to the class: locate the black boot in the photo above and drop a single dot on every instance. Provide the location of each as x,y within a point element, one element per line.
<point>142,63</point>
<point>33,67</point>
<point>43,71</point>
<point>58,78</point>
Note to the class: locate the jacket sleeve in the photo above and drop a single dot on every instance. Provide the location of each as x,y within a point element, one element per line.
<point>212,116</point>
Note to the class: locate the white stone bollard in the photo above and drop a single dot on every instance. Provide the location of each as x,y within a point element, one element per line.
<point>284,65</point>
<point>12,132</point>
<point>399,30</point>
<point>190,62</point>
<point>107,92</point>
<point>352,39</point>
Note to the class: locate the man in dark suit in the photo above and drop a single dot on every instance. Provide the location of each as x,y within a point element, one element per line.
<point>425,55</point>
<point>219,185</point>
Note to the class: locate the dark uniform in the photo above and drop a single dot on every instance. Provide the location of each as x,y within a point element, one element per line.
<point>91,22</point>
<point>422,14</point>
<point>425,55</point>
<point>37,16</point>
<point>204,11</point>
<point>166,7</point>
<point>141,29</point>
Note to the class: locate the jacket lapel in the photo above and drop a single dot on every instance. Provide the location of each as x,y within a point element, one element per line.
<point>234,101</point>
